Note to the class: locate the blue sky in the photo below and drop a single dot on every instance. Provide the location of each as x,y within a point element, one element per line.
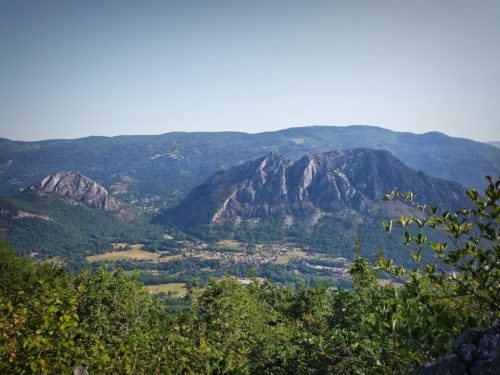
<point>71,69</point>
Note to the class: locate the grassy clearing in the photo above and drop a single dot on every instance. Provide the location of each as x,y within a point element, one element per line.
<point>169,258</point>
<point>208,255</point>
<point>187,255</point>
<point>137,246</point>
<point>289,255</point>
<point>136,253</point>
<point>178,289</point>
<point>206,269</point>
<point>229,244</point>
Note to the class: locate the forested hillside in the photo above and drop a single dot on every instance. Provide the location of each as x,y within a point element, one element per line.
<point>54,226</point>
<point>52,321</point>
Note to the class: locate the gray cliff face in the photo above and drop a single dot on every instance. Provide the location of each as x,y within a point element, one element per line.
<point>78,187</point>
<point>315,185</point>
<point>475,353</point>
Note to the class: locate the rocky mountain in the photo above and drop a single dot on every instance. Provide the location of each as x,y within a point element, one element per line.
<point>312,187</point>
<point>77,186</point>
<point>166,167</point>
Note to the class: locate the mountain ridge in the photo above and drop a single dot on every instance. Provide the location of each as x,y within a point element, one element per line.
<point>314,186</point>
<point>285,130</point>
<point>171,164</point>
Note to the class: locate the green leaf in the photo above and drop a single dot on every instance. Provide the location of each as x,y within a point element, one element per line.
<point>421,239</point>
<point>408,238</point>
<point>430,268</point>
<point>473,194</point>
<point>393,323</point>
<point>438,247</point>
<point>400,271</point>
<point>404,221</point>
<point>495,212</point>
<point>409,196</point>
<point>387,225</point>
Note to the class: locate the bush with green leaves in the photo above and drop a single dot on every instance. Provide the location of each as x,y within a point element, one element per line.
<point>51,321</point>
<point>455,282</point>
<point>464,268</point>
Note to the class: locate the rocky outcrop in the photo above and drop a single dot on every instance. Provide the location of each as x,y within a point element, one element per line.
<point>80,371</point>
<point>474,353</point>
<point>314,186</point>
<point>78,187</point>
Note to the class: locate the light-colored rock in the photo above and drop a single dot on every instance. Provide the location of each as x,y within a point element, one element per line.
<point>80,371</point>
<point>78,187</point>
<point>316,185</point>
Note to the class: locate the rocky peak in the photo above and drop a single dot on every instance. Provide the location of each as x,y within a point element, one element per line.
<point>78,187</point>
<point>269,165</point>
<point>373,172</point>
<point>313,186</point>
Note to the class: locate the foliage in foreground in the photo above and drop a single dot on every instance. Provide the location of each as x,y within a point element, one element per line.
<point>51,322</point>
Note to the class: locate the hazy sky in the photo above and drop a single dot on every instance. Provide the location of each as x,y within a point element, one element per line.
<point>76,68</point>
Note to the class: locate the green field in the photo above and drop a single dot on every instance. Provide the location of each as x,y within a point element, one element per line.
<point>178,289</point>
<point>289,255</point>
<point>229,244</point>
<point>135,253</point>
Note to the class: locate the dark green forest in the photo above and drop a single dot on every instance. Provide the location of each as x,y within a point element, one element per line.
<point>71,231</point>
<point>52,321</point>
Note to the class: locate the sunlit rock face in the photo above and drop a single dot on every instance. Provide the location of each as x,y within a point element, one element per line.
<point>78,187</point>
<point>316,185</point>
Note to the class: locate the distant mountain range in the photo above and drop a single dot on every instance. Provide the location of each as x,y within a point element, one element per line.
<point>164,168</point>
<point>495,144</point>
<point>315,186</point>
